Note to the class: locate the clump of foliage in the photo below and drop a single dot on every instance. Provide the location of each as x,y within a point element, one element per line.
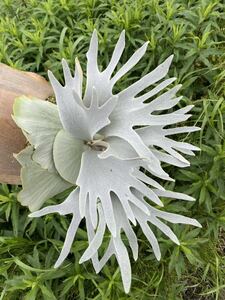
<point>36,35</point>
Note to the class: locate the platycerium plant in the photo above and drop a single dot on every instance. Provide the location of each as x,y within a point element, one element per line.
<point>102,144</point>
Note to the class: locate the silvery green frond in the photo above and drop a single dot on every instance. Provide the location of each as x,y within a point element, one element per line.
<point>69,206</point>
<point>38,184</point>
<point>80,121</point>
<point>104,179</point>
<point>103,144</point>
<point>67,153</point>
<point>40,121</point>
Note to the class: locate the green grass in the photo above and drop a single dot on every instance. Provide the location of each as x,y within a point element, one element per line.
<point>35,35</point>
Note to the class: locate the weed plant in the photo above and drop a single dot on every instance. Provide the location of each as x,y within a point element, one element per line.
<point>34,36</point>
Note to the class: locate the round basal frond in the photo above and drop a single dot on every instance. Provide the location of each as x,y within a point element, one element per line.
<point>38,184</point>
<point>40,122</point>
<point>104,144</point>
<point>67,153</point>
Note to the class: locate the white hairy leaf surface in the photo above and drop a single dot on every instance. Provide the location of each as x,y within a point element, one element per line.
<point>109,147</point>
<point>104,178</point>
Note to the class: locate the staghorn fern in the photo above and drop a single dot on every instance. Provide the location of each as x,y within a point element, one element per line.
<point>100,144</point>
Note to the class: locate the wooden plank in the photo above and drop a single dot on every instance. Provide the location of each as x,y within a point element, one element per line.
<point>14,83</point>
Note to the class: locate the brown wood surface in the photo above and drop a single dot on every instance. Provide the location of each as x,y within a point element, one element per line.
<point>14,83</point>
